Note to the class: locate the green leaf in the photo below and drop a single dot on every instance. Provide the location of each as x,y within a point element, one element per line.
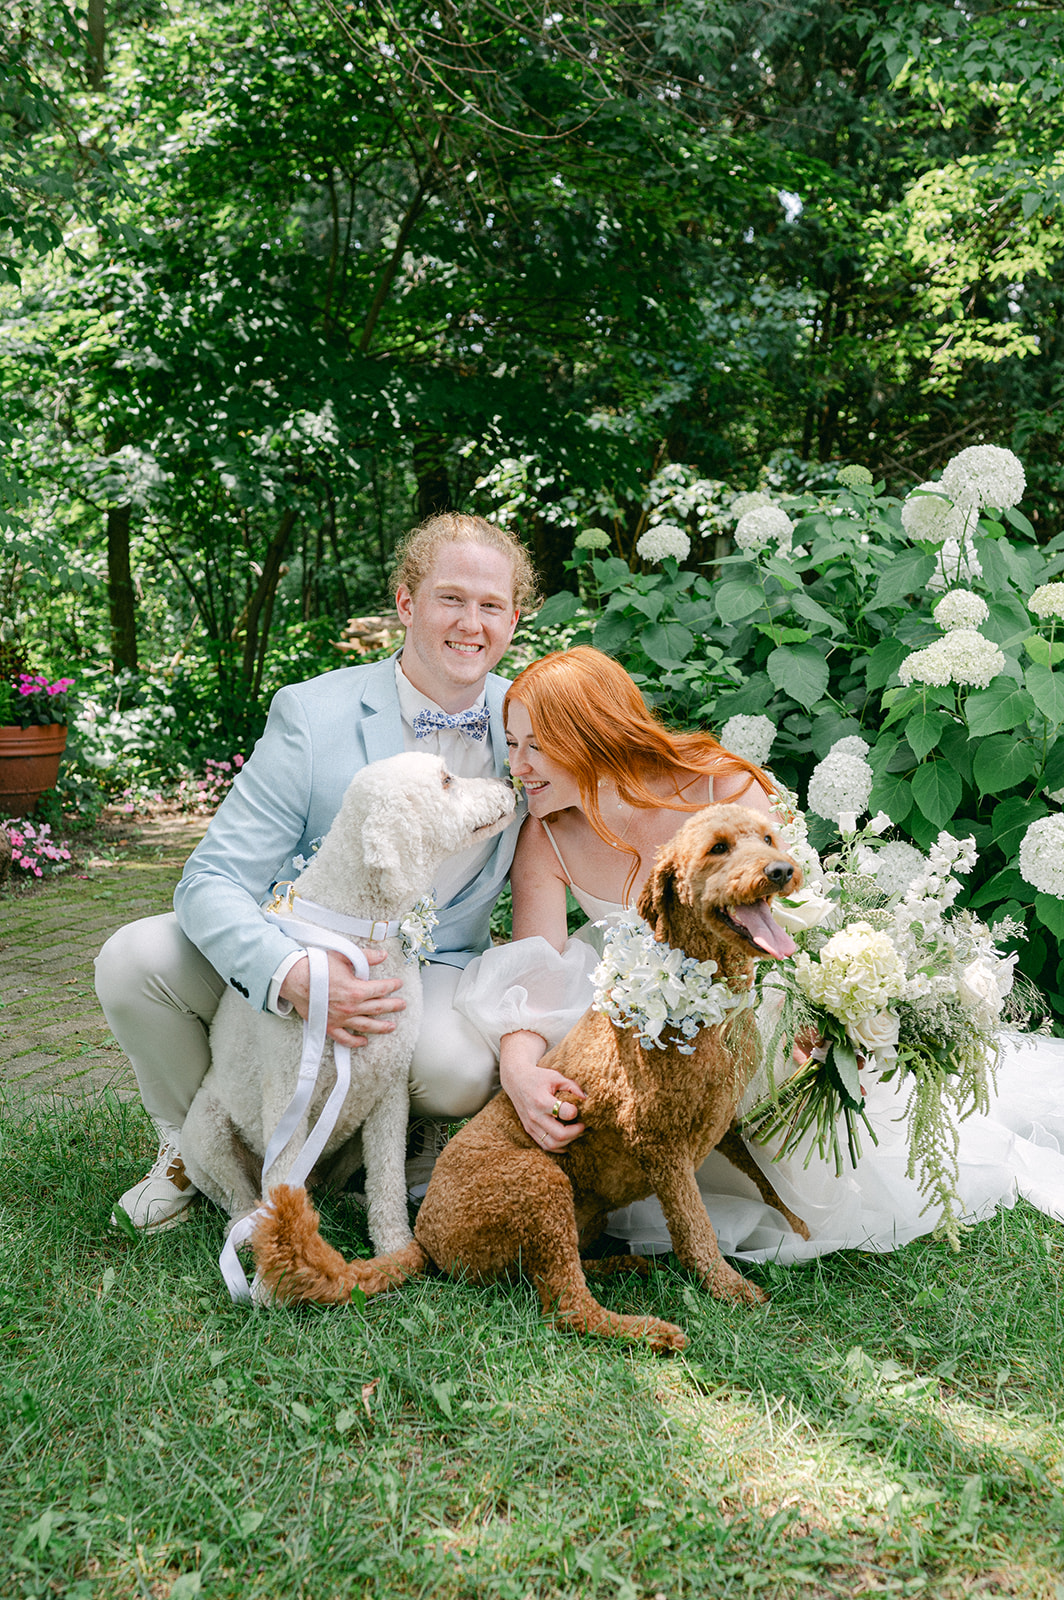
<point>667,643</point>
<point>955,748</point>
<point>1046,654</point>
<point>937,791</point>
<point>884,662</point>
<point>1003,885</point>
<point>800,671</point>
<point>924,730</point>
<point>842,1060</point>
<point>1053,776</point>
<point>782,635</point>
<point>906,575</point>
<point>738,600</point>
<point>893,794</point>
<point>1046,689</point>
<point>1017,518</point>
<point>1001,762</point>
<point>1011,820</point>
<point>829,728</point>
<point>1050,909</point>
<point>813,612</point>
<point>250,1522</point>
<point>612,631</point>
<point>560,607</point>
<point>1003,707</point>
<point>754,696</point>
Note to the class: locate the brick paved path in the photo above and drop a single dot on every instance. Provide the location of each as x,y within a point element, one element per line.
<point>53,1038</point>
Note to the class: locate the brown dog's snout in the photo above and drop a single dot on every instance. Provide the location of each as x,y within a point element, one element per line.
<point>779,874</point>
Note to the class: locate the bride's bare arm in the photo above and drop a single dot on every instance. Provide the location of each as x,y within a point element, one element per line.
<point>539,908</point>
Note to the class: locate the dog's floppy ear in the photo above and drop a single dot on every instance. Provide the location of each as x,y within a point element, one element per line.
<point>393,843</point>
<point>659,897</point>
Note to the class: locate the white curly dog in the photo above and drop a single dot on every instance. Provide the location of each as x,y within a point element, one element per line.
<point>399,821</point>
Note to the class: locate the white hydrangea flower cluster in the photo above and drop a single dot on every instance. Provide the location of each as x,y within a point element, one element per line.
<point>753,500</point>
<point>984,475</point>
<point>961,609</point>
<point>1042,855</point>
<point>592,539</point>
<point>919,916</point>
<point>643,984</point>
<point>841,783</point>
<point>929,514</point>
<point>749,737</point>
<point>851,744</point>
<point>854,477</point>
<point>896,864</point>
<point>765,524</point>
<point>962,656</point>
<point>956,563</point>
<point>665,539</point>
<point>415,929</point>
<point>1048,600</point>
<point>855,975</point>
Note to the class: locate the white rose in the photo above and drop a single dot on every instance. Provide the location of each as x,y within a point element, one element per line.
<point>876,1035</point>
<point>806,909</point>
<point>986,981</point>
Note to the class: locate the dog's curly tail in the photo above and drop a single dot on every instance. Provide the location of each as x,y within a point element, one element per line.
<point>298,1267</point>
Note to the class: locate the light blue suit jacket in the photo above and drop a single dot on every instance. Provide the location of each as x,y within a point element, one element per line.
<point>318,735</point>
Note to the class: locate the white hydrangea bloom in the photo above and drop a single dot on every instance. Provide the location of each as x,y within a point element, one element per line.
<point>984,475</point>
<point>851,745</point>
<point>840,783</point>
<point>756,528</point>
<point>592,539</point>
<point>854,477</point>
<point>897,865</point>
<point>749,737</point>
<point>1042,855</point>
<point>928,513</point>
<point>1048,601</point>
<point>962,656</point>
<point>664,540</point>
<point>962,609</point>
<point>856,974</point>
<point>752,501</point>
<point>954,564</point>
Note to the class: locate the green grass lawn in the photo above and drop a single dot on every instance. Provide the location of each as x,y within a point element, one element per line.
<point>887,1425</point>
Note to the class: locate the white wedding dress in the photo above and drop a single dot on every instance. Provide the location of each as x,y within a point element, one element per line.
<point>1017,1149</point>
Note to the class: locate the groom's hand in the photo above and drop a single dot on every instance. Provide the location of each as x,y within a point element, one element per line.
<point>357,1006</point>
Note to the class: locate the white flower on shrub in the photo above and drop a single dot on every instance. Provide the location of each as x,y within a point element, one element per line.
<point>963,656</point>
<point>962,609</point>
<point>752,501</point>
<point>664,540</point>
<point>897,864</point>
<point>984,475</point>
<point>850,745</point>
<point>954,565</point>
<point>854,477</point>
<point>928,513</point>
<point>592,539</point>
<point>757,528</point>
<point>1048,601</point>
<point>749,737</point>
<point>1042,855</point>
<point>876,1035</point>
<point>840,783</point>
<point>856,974</point>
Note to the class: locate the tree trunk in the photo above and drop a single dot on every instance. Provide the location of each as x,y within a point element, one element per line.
<point>261,603</point>
<point>430,469</point>
<point>120,591</point>
<point>96,41</point>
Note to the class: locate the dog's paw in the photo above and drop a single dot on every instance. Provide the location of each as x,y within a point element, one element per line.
<point>724,1283</point>
<point>663,1335</point>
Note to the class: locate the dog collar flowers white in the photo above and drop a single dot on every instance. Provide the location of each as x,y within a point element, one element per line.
<point>643,984</point>
<point>415,929</point>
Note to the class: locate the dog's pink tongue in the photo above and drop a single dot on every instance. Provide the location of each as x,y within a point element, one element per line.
<point>766,933</point>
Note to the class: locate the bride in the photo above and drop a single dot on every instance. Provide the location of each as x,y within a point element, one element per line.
<point>607,784</point>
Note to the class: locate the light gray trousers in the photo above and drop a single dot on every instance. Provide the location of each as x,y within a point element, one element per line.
<point>159,994</point>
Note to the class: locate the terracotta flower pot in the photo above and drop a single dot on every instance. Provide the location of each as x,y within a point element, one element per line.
<point>29,764</point>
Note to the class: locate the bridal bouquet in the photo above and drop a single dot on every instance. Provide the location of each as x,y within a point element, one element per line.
<point>890,979</point>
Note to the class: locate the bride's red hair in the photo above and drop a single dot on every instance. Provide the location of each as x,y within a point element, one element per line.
<point>589,717</point>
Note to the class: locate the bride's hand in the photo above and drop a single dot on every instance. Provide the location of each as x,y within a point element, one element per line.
<point>535,1091</point>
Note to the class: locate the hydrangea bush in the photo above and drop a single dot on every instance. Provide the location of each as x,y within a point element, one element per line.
<point>931,626</point>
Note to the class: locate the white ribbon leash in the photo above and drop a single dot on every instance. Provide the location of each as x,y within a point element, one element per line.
<point>317,941</point>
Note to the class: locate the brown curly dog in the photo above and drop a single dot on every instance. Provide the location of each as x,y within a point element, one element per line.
<point>497,1201</point>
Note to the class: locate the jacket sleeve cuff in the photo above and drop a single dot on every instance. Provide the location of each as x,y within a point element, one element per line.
<point>274,1003</point>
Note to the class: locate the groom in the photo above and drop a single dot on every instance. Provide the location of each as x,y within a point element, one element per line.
<point>461,585</point>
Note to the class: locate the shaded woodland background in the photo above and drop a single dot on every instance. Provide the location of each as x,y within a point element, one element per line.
<point>282,278</point>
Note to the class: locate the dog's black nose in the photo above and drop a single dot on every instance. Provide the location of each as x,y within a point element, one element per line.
<point>779,874</point>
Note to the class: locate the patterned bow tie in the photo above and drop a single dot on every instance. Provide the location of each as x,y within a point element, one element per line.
<point>473,723</point>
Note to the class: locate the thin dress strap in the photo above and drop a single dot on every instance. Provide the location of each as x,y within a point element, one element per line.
<point>561,859</point>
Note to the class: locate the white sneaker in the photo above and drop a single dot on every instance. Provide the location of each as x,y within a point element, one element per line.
<point>426,1139</point>
<point>161,1200</point>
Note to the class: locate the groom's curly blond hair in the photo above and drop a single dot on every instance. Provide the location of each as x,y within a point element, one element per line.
<point>417,553</point>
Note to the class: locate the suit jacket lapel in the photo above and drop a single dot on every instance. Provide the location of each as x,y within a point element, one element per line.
<point>381,724</point>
